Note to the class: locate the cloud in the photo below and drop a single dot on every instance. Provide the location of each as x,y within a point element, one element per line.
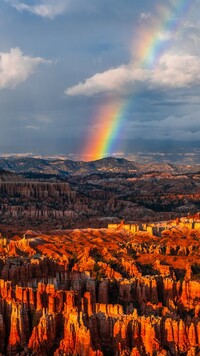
<point>15,67</point>
<point>165,35</point>
<point>171,71</point>
<point>32,127</point>
<point>109,80</point>
<point>43,8</point>
<point>186,127</point>
<point>144,16</point>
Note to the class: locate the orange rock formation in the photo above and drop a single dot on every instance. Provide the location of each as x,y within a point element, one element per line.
<point>100,292</point>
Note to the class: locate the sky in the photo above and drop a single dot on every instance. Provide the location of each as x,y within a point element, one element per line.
<point>98,77</point>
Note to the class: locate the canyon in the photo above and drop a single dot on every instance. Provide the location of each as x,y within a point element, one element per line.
<point>99,258</point>
<point>105,291</point>
<point>66,194</point>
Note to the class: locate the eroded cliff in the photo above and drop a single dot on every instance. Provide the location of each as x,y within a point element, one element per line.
<point>100,292</point>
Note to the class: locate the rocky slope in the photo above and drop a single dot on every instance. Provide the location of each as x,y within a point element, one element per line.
<point>82,200</point>
<point>65,167</point>
<point>100,292</point>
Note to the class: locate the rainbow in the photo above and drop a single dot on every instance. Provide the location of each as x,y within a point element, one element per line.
<point>155,38</point>
<point>105,132</point>
<point>147,52</point>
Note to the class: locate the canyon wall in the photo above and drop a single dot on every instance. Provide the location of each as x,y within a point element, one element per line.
<point>92,200</point>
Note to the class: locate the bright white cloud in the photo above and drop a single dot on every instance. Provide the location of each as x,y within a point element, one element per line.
<point>172,71</point>
<point>100,82</point>
<point>43,8</point>
<point>15,67</point>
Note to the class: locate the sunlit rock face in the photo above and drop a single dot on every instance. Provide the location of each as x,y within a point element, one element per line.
<point>101,292</point>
